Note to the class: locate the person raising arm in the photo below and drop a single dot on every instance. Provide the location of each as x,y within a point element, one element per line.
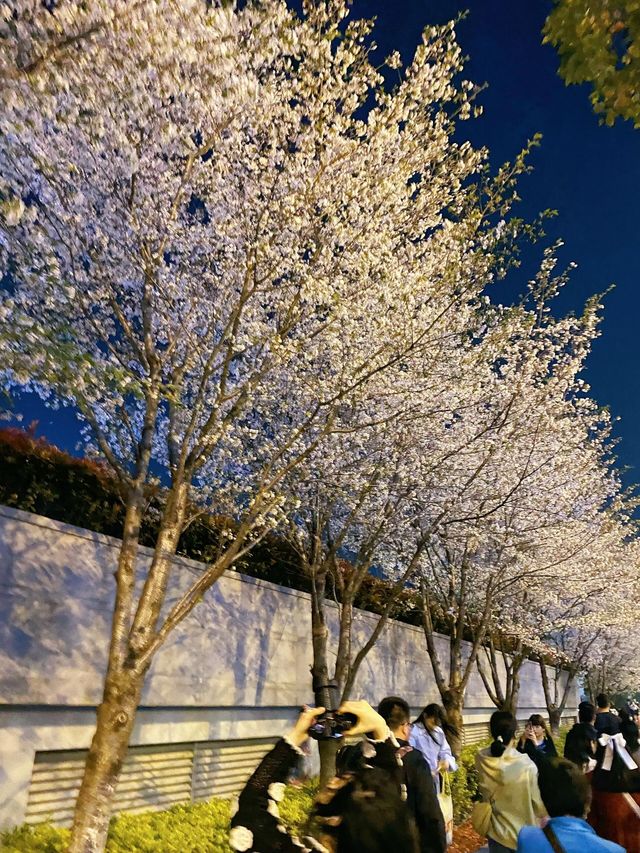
<point>361,810</point>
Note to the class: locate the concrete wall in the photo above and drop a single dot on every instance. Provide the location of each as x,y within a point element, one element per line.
<point>238,667</point>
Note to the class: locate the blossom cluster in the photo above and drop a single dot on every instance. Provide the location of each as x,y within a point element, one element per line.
<point>261,274</point>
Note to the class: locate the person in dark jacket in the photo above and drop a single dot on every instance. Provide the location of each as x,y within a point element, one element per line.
<point>606,722</point>
<point>420,791</point>
<point>359,812</point>
<point>580,745</point>
<point>630,733</point>
<point>536,742</point>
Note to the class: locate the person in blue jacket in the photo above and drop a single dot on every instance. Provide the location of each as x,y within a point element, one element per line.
<point>566,795</point>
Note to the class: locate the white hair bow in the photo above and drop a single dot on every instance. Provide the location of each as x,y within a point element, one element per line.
<point>615,743</point>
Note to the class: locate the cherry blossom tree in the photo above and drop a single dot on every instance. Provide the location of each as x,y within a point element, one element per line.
<point>357,499</point>
<point>561,619</point>
<point>214,231</point>
<point>557,618</point>
<point>359,493</point>
<point>612,664</point>
<point>589,622</point>
<point>541,479</point>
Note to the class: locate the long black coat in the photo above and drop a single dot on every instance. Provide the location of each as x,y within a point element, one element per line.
<point>422,799</point>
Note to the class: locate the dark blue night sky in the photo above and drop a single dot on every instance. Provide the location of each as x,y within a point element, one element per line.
<point>588,172</point>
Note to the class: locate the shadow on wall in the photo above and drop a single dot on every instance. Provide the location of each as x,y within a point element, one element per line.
<point>240,646</point>
<point>53,616</point>
<point>248,643</point>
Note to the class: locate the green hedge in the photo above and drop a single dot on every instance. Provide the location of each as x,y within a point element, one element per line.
<point>464,782</point>
<point>560,739</point>
<point>200,828</point>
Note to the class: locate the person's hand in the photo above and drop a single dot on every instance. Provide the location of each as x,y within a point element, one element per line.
<point>443,766</point>
<point>300,732</point>
<point>368,720</point>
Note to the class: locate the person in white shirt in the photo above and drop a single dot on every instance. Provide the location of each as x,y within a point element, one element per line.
<point>429,735</point>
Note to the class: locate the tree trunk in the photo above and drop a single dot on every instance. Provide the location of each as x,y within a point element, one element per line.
<point>555,715</point>
<point>514,693</point>
<point>556,704</point>
<point>125,672</point>
<point>453,701</point>
<point>328,750</point>
<point>320,666</point>
<point>319,630</point>
<point>343,655</point>
<point>115,717</point>
<point>492,685</point>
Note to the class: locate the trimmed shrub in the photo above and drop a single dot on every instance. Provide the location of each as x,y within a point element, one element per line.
<point>201,828</point>
<point>40,839</point>
<point>188,828</point>
<point>296,805</point>
<point>560,739</point>
<point>464,782</point>
<point>39,478</point>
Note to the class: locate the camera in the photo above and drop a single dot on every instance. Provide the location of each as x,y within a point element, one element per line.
<point>330,724</point>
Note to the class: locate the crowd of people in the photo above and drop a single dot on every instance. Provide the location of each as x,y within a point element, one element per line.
<point>387,794</point>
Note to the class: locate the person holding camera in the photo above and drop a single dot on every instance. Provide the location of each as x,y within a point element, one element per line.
<point>357,811</point>
<point>536,742</point>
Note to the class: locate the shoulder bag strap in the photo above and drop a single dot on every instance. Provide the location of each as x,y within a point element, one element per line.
<point>552,838</point>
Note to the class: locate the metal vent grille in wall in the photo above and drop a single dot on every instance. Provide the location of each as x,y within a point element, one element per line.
<point>153,777</point>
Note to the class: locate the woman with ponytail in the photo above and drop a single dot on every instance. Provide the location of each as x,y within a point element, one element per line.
<point>508,782</point>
